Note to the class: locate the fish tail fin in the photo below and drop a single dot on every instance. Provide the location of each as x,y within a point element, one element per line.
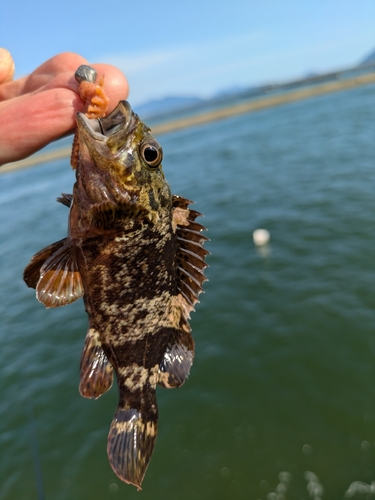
<point>131,441</point>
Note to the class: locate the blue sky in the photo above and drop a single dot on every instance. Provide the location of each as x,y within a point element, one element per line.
<point>194,47</point>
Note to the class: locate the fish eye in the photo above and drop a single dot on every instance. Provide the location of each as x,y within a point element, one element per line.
<point>152,154</point>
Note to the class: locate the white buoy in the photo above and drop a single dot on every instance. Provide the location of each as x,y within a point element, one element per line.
<point>261,237</point>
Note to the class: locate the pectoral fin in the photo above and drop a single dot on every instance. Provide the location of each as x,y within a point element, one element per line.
<point>96,370</point>
<point>31,273</point>
<point>66,199</point>
<point>60,280</point>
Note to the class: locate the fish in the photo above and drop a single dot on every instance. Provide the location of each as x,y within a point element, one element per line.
<point>134,252</point>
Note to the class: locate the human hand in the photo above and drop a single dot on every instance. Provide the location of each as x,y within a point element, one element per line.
<point>40,108</point>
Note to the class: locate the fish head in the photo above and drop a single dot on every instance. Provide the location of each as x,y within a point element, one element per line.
<point>121,163</point>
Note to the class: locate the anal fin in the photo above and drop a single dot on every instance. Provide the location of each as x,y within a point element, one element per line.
<point>96,370</point>
<point>60,280</point>
<point>177,360</point>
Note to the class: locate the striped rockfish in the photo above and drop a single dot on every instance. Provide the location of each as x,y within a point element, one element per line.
<point>135,253</point>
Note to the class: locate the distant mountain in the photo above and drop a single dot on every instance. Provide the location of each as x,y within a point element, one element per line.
<point>369,59</point>
<point>166,105</point>
<point>229,92</point>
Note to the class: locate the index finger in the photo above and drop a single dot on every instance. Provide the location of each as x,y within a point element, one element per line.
<point>31,121</point>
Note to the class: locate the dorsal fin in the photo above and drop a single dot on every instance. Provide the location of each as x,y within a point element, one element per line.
<point>96,371</point>
<point>60,280</point>
<point>31,273</point>
<point>191,254</point>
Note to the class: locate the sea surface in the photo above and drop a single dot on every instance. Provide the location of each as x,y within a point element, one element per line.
<point>280,403</point>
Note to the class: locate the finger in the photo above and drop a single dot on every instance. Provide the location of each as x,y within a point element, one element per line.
<point>31,121</point>
<point>6,66</point>
<point>62,64</point>
<point>58,73</point>
<point>115,83</point>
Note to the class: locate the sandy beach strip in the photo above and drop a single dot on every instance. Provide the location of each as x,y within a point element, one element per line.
<point>215,115</point>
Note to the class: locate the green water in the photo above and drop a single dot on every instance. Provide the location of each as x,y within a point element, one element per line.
<point>284,374</point>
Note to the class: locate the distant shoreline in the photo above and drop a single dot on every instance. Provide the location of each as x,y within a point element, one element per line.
<point>215,115</point>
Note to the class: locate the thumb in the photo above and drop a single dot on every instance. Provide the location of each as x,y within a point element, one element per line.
<point>6,66</point>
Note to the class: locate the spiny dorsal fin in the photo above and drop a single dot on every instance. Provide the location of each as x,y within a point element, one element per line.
<point>60,280</point>
<point>96,370</point>
<point>31,273</point>
<point>66,199</point>
<point>191,254</point>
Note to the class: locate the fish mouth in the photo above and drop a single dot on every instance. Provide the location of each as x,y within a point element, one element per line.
<point>112,129</point>
<point>108,140</point>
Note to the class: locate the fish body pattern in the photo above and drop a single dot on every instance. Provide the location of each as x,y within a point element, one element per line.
<point>135,253</point>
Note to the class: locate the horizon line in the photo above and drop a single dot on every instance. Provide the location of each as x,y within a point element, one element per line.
<point>215,115</point>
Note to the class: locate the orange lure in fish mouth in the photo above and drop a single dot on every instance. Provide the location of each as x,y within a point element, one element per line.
<point>134,252</point>
<point>120,121</point>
